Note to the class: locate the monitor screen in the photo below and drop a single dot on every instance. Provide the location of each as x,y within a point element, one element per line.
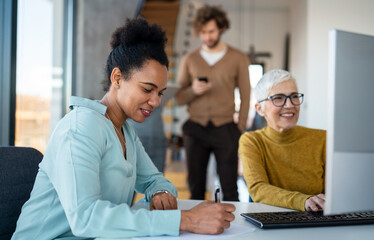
<point>350,130</point>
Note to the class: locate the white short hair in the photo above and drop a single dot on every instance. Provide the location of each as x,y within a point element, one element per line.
<point>268,81</point>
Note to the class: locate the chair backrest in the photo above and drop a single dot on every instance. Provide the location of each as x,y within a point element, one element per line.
<point>18,169</point>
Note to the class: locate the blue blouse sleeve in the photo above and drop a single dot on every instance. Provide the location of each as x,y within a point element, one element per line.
<point>75,175</point>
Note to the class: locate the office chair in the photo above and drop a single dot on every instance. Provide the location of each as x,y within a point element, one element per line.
<point>18,169</point>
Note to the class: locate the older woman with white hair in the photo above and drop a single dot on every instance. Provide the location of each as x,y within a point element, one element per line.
<point>283,164</point>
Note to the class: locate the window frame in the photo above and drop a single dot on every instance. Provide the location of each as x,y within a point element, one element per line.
<point>8,64</point>
<point>8,42</point>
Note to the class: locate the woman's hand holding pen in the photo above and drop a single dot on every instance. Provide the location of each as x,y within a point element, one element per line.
<point>163,201</point>
<point>207,218</point>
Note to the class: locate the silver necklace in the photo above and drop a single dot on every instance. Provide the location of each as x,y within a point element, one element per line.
<point>123,141</point>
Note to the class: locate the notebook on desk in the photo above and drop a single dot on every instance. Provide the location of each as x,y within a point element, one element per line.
<point>307,219</point>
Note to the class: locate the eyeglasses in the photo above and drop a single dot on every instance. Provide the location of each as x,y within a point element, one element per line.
<point>279,100</point>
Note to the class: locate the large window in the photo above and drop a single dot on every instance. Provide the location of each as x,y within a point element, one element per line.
<point>40,71</point>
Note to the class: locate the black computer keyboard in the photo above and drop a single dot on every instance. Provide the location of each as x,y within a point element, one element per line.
<point>306,219</point>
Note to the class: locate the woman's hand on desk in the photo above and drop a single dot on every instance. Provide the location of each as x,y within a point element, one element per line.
<point>315,203</point>
<point>207,218</point>
<point>163,201</point>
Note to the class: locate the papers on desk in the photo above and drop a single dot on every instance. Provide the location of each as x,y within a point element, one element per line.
<point>234,230</point>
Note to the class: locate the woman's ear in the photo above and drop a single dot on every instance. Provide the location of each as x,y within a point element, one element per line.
<point>260,109</point>
<point>115,77</point>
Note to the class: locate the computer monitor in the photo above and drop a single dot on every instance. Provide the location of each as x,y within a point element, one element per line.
<point>350,130</point>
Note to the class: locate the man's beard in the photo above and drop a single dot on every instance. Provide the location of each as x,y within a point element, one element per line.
<point>214,43</point>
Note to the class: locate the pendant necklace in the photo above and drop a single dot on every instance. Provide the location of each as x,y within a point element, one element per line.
<point>122,140</point>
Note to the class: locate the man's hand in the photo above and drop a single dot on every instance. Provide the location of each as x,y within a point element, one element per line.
<point>207,218</point>
<point>200,87</point>
<point>315,203</point>
<point>163,201</point>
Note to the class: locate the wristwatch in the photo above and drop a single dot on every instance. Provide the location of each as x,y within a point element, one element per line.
<point>160,191</point>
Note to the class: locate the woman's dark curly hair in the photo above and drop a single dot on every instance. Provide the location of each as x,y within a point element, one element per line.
<point>134,44</point>
<point>207,13</point>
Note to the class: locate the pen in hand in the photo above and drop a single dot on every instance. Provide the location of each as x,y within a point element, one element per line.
<point>217,197</point>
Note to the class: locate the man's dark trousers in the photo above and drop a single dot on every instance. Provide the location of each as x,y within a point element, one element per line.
<point>223,141</point>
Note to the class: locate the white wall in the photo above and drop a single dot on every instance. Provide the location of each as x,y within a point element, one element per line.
<point>321,16</point>
<point>298,50</point>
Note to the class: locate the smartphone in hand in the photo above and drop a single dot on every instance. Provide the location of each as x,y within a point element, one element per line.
<point>203,79</point>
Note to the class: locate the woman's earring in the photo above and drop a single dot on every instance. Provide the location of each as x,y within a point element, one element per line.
<point>117,86</point>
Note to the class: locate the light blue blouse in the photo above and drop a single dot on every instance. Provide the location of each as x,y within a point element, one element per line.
<point>85,186</point>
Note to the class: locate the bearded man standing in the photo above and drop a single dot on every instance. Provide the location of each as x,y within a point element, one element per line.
<point>208,77</point>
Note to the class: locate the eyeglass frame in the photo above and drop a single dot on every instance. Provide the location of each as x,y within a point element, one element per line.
<point>285,100</point>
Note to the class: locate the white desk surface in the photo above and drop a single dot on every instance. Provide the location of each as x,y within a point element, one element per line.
<point>361,232</point>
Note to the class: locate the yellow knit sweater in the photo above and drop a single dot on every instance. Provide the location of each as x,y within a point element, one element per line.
<point>284,169</point>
